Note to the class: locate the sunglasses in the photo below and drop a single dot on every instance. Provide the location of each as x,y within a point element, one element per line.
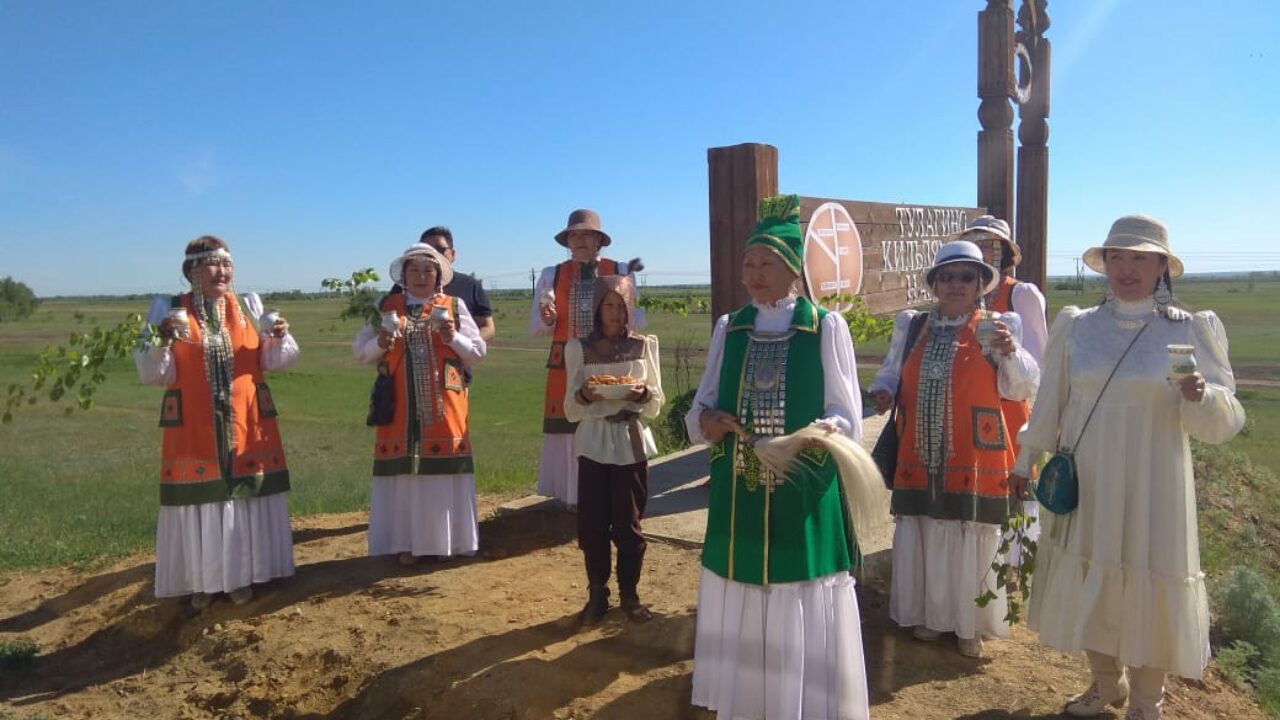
<point>960,277</point>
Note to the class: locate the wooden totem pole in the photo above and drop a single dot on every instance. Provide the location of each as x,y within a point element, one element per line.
<point>1028,86</point>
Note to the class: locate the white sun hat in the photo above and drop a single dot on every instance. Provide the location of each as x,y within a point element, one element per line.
<point>963,251</point>
<point>421,250</point>
<point>1134,232</point>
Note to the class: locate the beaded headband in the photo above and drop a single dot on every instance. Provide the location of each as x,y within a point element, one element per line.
<point>208,257</point>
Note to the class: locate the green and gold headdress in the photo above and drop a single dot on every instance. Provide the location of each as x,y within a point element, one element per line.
<point>778,229</point>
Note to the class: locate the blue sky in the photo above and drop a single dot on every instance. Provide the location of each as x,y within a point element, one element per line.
<point>321,137</point>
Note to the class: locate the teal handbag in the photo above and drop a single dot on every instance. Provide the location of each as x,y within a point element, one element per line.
<point>1058,485</point>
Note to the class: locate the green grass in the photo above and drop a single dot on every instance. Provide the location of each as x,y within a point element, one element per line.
<point>17,655</point>
<point>80,489</point>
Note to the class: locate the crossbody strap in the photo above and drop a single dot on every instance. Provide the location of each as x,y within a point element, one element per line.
<point>913,332</point>
<point>1104,386</point>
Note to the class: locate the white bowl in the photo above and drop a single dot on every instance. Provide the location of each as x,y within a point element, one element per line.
<point>613,392</point>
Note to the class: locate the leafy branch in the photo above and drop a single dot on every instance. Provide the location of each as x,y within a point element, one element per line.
<point>362,297</point>
<point>76,367</point>
<point>863,326</point>
<point>1015,580</point>
<point>680,306</point>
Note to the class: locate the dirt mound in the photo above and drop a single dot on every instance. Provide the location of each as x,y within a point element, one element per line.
<point>487,637</point>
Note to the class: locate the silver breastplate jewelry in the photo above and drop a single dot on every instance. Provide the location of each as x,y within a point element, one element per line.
<point>762,409</point>
<point>581,315</point>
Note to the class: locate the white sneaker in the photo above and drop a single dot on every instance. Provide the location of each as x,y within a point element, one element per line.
<point>970,647</point>
<point>922,632</point>
<point>1091,702</point>
<point>201,601</point>
<point>242,595</point>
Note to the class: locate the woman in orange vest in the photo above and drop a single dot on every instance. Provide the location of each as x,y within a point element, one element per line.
<point>423,501</point>
<point>992,236</point>
<point>562,309</point>
<point>223,522</point>
<point>951,490</point>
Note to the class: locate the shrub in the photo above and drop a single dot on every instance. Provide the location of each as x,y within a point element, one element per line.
<point>1247,612</point>
<point>669,433</point>
<point>1237,663</point>
<point>1267,681</point>
<point>16,300</point>
<point>17,654</point>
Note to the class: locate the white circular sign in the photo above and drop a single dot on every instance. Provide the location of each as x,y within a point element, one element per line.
<point>832,256</point>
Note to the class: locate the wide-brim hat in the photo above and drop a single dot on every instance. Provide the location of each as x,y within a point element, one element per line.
<point>990,225</point>
<point>421,250</point>
<point>778,229</point>
<point>963,251</point>
<point>583,219</point>
<point>1134,232</point>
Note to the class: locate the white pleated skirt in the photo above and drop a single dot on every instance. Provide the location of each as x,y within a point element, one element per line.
<point>424,515</point>
<point>788,651</point>
<point>939,567</point>
<point>558,468</point>
<point>222,546</point>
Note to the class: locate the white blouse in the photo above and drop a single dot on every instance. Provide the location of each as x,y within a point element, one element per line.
<point>599,439</point>
<point>1029,304</point>
<point>842,398</point>
<point>467,342</point>
<point>155,365</point>
<point>1017,377</point>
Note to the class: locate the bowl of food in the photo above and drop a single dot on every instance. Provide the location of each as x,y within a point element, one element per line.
<point>613,387</point>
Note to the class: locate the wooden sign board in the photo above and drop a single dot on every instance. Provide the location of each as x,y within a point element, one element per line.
<point>879,251</point>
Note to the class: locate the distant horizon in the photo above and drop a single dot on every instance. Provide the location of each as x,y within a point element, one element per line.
<point>1052,279</point>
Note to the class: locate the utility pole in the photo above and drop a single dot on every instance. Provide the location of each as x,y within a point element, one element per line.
<point>533,281</point>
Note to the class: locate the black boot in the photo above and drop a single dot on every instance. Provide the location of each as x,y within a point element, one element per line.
<point>629,567</point>
<point>596,607</point>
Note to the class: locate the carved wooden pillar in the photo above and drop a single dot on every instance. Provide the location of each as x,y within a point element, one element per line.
<point>1033,138</point>
<point>739,176</point>
<point>995,87</point>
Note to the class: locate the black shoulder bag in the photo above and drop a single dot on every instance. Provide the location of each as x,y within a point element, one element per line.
<point>382,398</point>
<point>885,452</point>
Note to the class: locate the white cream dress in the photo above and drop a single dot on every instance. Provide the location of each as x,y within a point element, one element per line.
<point>1121,575</point>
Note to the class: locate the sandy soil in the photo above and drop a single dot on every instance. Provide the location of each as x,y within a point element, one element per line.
<point>489,637</point>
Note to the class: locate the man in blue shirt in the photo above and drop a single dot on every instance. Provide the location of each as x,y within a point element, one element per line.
<point>462,286</point>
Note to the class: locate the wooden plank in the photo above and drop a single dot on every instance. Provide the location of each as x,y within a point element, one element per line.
<point>899,241</point>
<point>739,176</point>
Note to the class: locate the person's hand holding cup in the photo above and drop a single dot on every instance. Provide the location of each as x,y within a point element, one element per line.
<point>176,325</point>
<point>547,306</point>
<point>442,322</point>
<point>272,324</point>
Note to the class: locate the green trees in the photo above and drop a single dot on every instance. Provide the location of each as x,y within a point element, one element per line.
<point>16,300</point>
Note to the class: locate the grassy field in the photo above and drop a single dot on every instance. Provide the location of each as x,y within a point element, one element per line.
<point>81,488</point>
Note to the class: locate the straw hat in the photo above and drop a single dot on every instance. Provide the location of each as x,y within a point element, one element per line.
<point>963,251</point>
<point>995,227</point>
<point>583,219</point>
<point>1134,232</point>
<point>424,251</point>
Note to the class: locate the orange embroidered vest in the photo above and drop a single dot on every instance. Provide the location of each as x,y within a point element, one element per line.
<point>196,466</point>
<point>407,445</point>
<point>572,322</point>
<point>1016,412</point>
<point>965,424</point>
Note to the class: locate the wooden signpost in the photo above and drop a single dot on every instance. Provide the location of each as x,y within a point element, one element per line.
<point>880,251</point>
